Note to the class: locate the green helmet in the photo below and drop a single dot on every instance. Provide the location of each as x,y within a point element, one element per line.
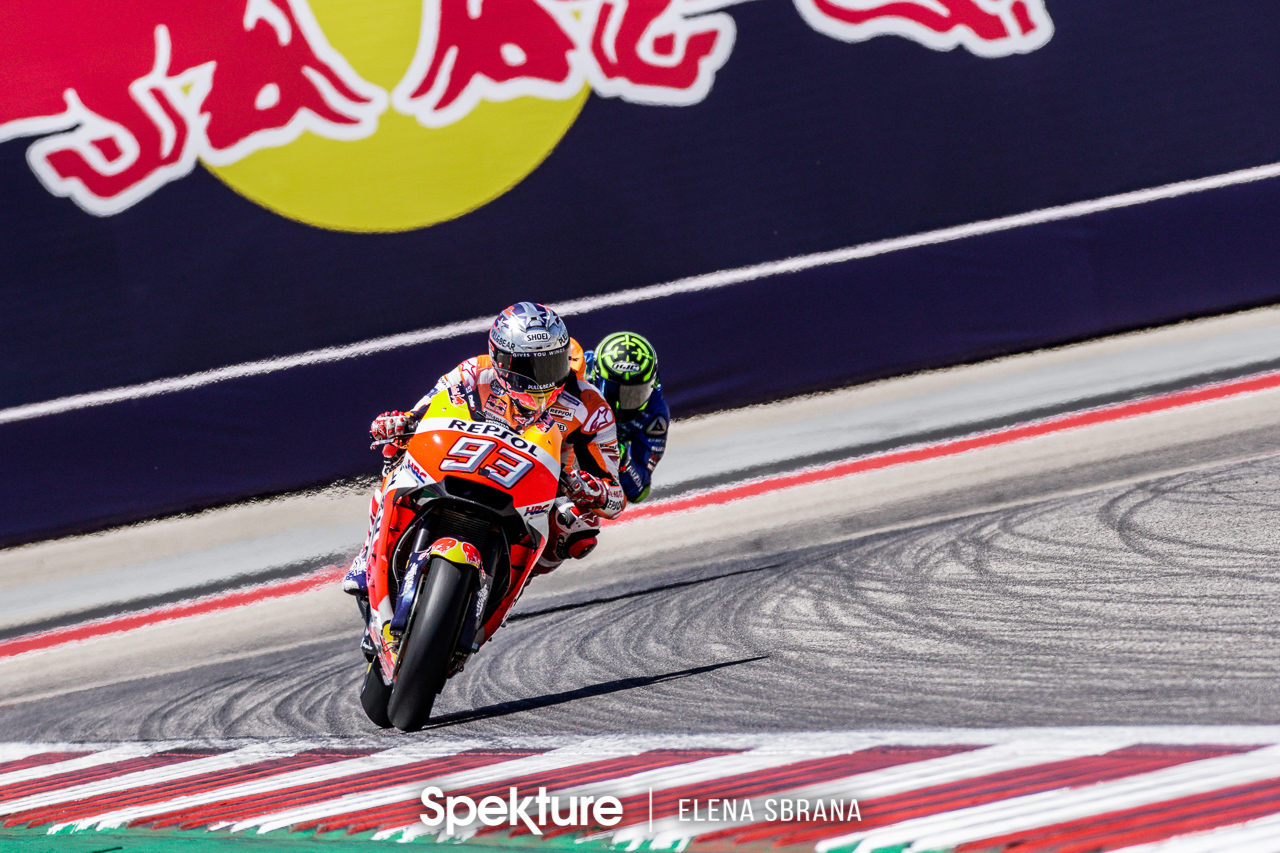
<point>625,371</point>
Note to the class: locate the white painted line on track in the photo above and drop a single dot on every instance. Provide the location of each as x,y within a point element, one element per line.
<point>657,779</point>
<point>1021,814</point>
<point>1186,398</point>
<point>554,760</point>
<point>707,281</point>
<point>144,778</point>
<point>134,620</point>
<point>73,765</point>
<point>354,767</point>
<point>18,751</point>
<point>1005,751</point>
<point>916,775</point>
<point>1261,835</point>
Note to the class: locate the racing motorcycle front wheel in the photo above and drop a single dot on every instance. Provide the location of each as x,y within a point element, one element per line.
<point>429,644</point>
<point>374,695</point>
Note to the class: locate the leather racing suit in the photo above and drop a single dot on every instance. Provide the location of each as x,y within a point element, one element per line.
<point>589,443</point>
<point>641,440</point>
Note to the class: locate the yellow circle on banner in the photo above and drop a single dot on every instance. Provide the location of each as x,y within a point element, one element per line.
<point>404,176</point>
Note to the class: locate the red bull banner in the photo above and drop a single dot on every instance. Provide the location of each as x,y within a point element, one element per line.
<point>169,84</point>
<point>214,214</point>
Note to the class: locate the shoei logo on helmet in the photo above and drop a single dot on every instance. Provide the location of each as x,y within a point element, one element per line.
<point>129,95</point>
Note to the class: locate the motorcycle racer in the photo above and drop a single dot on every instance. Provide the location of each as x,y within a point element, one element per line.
<point>525,377</point>
<point>624,366</point>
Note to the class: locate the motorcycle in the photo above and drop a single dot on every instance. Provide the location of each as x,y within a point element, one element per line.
<point>464,518</point>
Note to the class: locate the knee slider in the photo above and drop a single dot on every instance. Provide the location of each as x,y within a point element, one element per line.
<point>580,544</point>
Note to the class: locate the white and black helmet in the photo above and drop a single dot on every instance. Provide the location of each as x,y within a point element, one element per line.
<point>529,350</point>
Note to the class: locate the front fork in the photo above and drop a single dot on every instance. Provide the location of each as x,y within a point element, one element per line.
<point>386,623</point>
<point>522,560</point>
<point>476,630</point>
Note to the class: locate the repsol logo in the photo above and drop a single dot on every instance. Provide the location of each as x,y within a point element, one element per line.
<point>496,430</point>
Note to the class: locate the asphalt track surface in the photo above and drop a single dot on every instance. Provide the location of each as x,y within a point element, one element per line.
<point>1124,573</point>
<point>1133,588</point>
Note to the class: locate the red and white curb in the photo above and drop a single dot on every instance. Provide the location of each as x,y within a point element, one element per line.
<point>1196,396</point>
<point>199,606</point>
<point>1024,790</point>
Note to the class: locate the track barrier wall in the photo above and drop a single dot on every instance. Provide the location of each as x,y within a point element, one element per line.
<point>803,143</point>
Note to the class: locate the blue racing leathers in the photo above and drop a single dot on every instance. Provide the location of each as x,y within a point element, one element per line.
<point>641,440</point>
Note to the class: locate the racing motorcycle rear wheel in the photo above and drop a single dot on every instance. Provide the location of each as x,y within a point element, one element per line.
<point>429,643</point>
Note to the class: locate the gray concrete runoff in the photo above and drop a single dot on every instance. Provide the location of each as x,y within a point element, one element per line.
<point>262,558</point>
<point>1118,574</point>
<point>726,446</point>
<point>259,540</point>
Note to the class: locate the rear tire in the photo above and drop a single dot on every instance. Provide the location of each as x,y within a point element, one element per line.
<point>374,695</point>
<point>429,644</point>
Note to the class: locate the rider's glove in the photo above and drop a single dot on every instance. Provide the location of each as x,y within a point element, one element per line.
<point>388,426</point>
<point>586,490</point>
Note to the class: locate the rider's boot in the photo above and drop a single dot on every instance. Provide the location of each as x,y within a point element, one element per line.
<point>355,582</point>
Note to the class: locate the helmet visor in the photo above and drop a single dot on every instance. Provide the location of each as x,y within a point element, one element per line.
<point>532,372</point>
<point>627,398</point>
<point>532,379</point>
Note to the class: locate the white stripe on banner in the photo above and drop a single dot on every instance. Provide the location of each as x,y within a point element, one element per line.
<point>707,281</point>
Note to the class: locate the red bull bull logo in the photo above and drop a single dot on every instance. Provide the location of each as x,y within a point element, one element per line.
<point>446,111</point>
<point>134,92</point>
<point>645,51</point>
<point>988,28</point>
<point>455,551</point>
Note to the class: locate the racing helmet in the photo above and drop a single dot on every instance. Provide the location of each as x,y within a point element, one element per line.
<point>625,371</point>
<point>529,350</point>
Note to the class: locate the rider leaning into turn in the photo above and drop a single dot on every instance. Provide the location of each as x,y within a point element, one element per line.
<point>624,366</point>
<point>525,377</point>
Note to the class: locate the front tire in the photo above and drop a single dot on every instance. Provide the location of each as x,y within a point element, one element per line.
<point>374,695</point>
<point>429,644</point>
